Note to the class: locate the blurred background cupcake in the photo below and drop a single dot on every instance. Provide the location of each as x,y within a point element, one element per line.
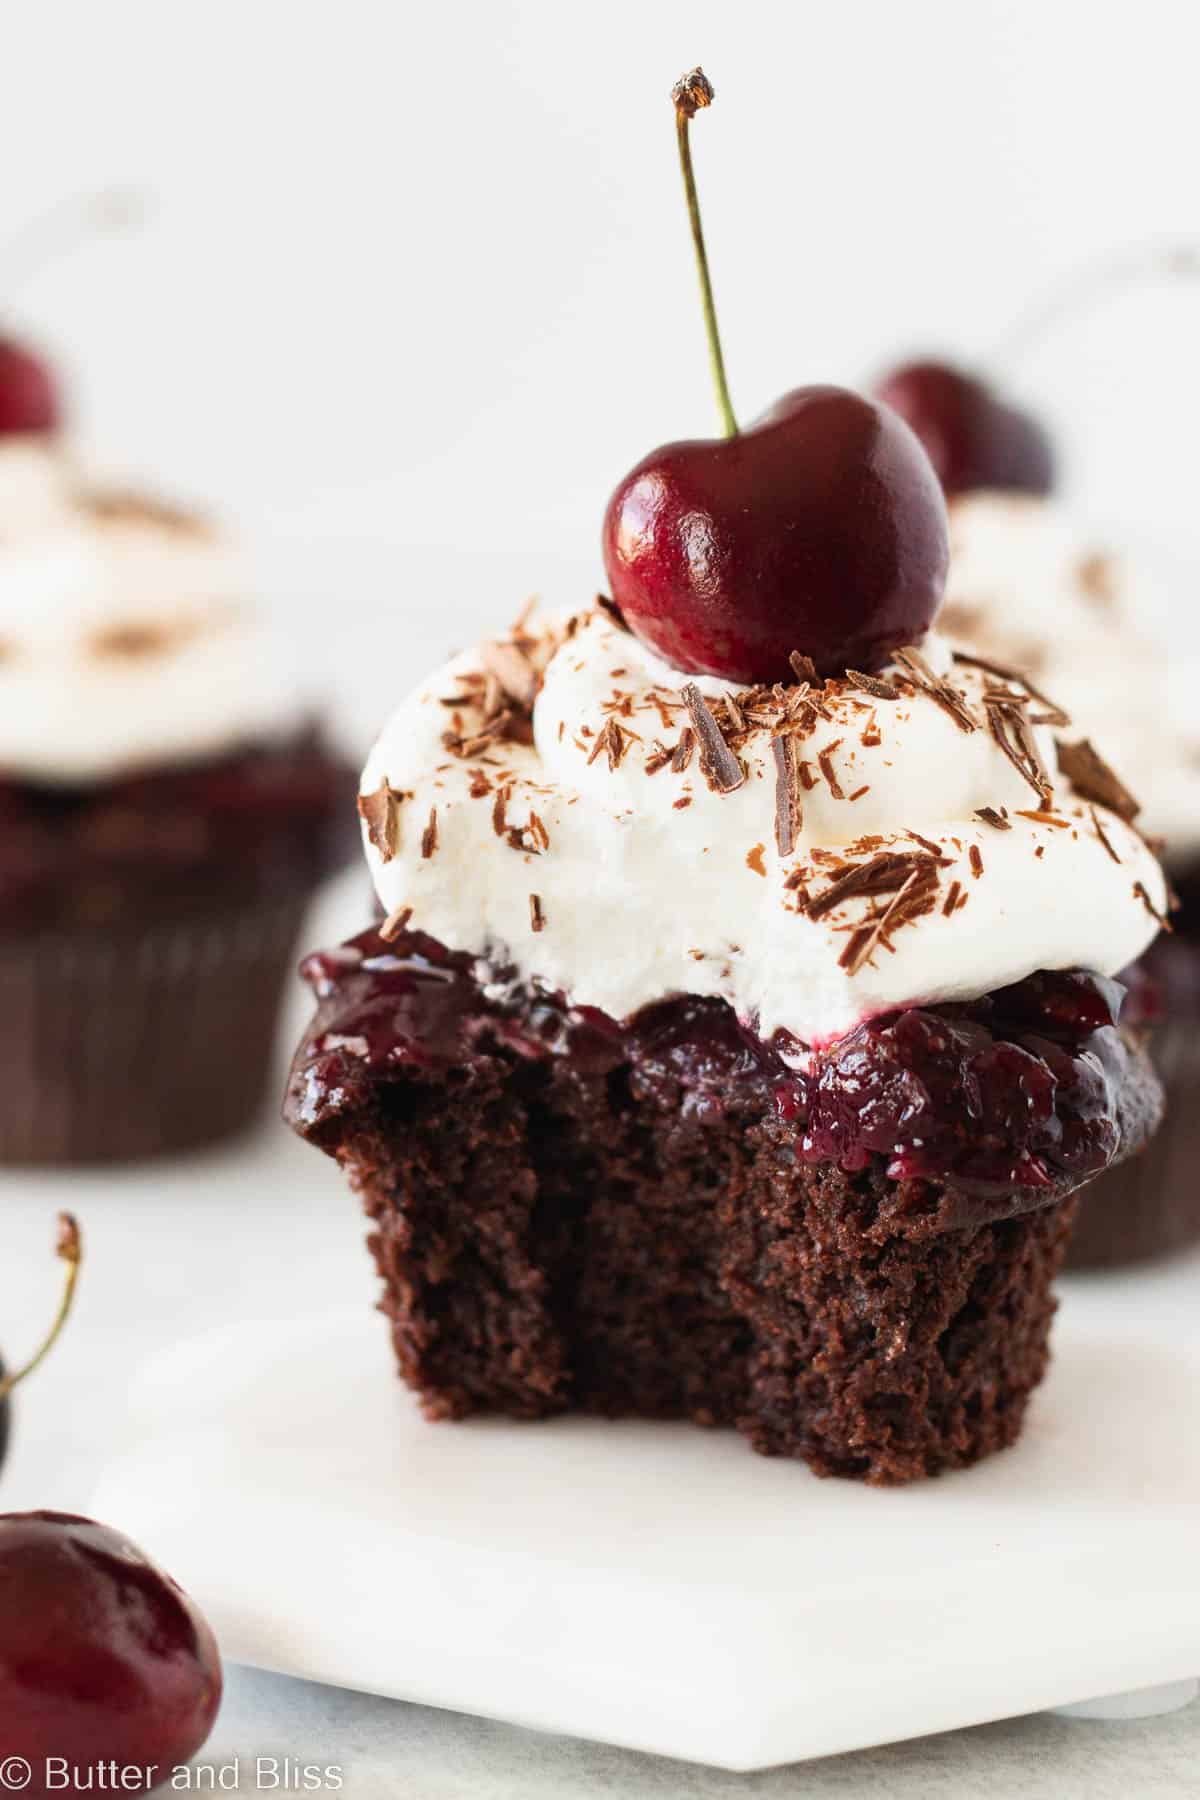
<point>1030,585</point>
<point>168,806</point>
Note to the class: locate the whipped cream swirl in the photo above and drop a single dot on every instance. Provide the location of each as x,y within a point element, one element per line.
<point>853,848</point>
<point>126,641</point>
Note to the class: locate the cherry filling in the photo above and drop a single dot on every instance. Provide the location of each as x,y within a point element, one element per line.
<point>1019,1089</point>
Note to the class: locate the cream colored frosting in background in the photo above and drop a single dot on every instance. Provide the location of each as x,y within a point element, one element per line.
<point>127,635</point>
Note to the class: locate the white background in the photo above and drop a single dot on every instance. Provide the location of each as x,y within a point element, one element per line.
<point>420,273</point>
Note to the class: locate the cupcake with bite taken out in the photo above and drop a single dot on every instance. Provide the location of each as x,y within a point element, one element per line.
<point>1029,585</point>
<point>726,1052</point>
<point>167,809</point>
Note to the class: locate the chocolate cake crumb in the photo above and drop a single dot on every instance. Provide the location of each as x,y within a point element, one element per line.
<point>1093,780</point>
<point>395,923</point>
<point>719,766</point>
<point>380,812</point>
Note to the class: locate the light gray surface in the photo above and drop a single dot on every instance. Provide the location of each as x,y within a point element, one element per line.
<point>387,1748</point>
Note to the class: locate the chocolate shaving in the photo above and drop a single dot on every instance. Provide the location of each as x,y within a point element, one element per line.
<point>1011,732</point>
<point>499,807</point>
<point>537,917</point>
<point>951,900</point>
<point>513,670</point>
<point>658,758</point>
<point>883,874</point>
<point>975,858</point>
<point>991,817</point>
<point>610,741</point>
<point>380,812</point>
<point>538,830</point>
<point>912,899</point>
<point>395,922</point>
<point>611,611</point>
<point>737,717</point>
<point>789,808</point>
<point>925,843</point>
<point>719,766</point>
<point>683,750</point>
<point>947,697</point>
<point>804,668</point>
<point>1160,918</point>
<point>1103,835</point>
<point>872,684</point>
<point>1004,673</point>
<point>1093,780</point>
<point>825,764</point>
<point>429,837</point>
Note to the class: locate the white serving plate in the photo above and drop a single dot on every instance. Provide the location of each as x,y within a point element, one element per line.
<point>664,1588</point>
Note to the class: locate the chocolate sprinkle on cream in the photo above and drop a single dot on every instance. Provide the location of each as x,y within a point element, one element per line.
<point>537,917</point>
<point>789,808</point>
<point>754,859</point>
<point>719,766</point>
<point>683,750</point>
<point>429,837</point>
<point>991,817</point>
<point>1010,728</point>
<point>1160,918</point>
<point>947,697</point>
<point>1093,780</point>
<point>872,684</point>
<point>395,922</point>
<point>658,758</point>
<point>975,859</point>
<point>804,668</point>
<point>825,764</point>
<point>1054,713</point>
<point>381,813</point>
<point>1103,835</point>
<point>513,670</point>
<point>882,874</point>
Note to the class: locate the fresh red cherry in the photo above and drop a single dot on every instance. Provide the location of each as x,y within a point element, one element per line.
<point>29,400</point>
<point>820,529</point>
<point>103,1659</point>
<point>973,438</point>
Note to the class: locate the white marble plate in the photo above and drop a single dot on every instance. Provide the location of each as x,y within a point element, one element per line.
<point>664,1588</point>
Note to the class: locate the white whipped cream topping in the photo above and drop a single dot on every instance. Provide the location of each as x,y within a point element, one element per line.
<point>654,884</point>
<point>125,637</point>
<point>1029,586</point>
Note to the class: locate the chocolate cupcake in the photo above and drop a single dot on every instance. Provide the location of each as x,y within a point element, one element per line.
<point>731,1053</point>
<point>166,811</point>
<point>1027,584</point>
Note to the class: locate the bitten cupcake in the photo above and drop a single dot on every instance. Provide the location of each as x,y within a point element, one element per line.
<point>727,1051</point>
<point>166,811</point>
<point>1028,585</point>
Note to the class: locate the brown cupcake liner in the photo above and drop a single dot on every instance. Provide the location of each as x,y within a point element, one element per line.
<point>120,1045</point>
<point>1149,1206</point>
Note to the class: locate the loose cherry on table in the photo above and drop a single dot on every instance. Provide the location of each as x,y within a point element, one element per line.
<point>103,1658</point>
<point>821,528</point>
<point>973,437</point>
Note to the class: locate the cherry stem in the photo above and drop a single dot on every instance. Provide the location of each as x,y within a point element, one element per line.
<point>69,1246</point>
<point>689,94</point>
<point>43,238</point>
<point>1084,287</point>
